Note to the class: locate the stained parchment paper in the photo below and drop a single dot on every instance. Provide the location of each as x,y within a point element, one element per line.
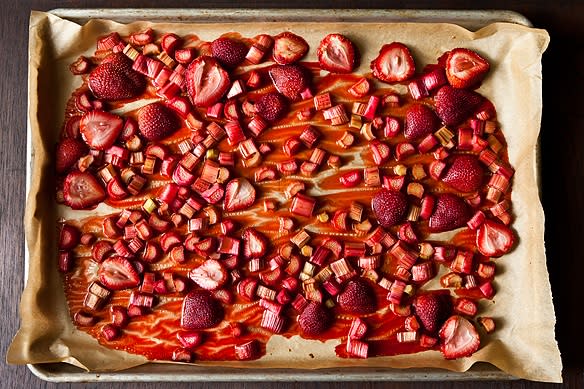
<point>524,343</point>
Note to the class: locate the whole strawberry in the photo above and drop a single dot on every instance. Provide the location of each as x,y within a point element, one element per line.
<point>432,309</point>
<point>156,121</point>
<point>229,52</point>
<point>200,311</point>
<point>315,319</point>
<point>454,105</point>
<point>450,212</point>
<point>289,80</point>
<point>114,79</point>
<point>389,207</point>
<point>358,297</point>
<point>271,106</point>
<point>69,151</point>
<point>421,120</point>
<point>465,173</point>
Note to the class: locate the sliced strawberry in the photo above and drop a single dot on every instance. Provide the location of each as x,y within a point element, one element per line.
<point>389,207</point>
<point>117,273</point>
<point>289,80</point>
<point>421,121</point>
<point>394,63</point>
<point>156,121</point>
<point>254,243</point>
<point>68,152</point>
<point>336,53</point>
<point>114,79</point>
<point>239,195</point>
<point>100,129</point>
<point>494,239</point>
<point>465,173</point>
<point>432,309</point>
<point>315,319</point>
<point>465,68</point>
<point>289,47</point>
<point>271,106</point>
<point>229,52</point>
<point>454,106</point>
<point>206,81</point>
<point>210,275</point>
<point>82,190</point>
<point>200,311</point>
<point>459,338</point>
<point>450,212</point>
<point>358,297</point>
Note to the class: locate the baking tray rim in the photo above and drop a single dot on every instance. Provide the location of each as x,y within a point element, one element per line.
<point>63,372</point>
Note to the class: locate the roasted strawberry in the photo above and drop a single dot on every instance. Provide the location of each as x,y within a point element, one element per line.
<point>254,243</point>
<point>156,121</point>
<point>465,68</point>
<point>289,47</point>
<point>459,338</point>
<point>117,273</point>
<point>394,63</point>
<point>206,81</point>
<point>229,52</point>
<point>494,239</point>
<point>315,319</point>
<point>450,212</point>
<point>432,309</point>
<point>100,129</point>
<point>289,80</point>
<point>68,152</point>
<point>200,310</point>
<point>454,106</point>
<point>358,297</point>
<point>465,173</point>
<point>210,275</point>
<point>69,237</point>
<point>421,120</point>
<point>239,195</point>
<point>114,79</point>
<point>336,53</point>
<point>82,190</point>
<point>271,106</point>
<point>389,207</point>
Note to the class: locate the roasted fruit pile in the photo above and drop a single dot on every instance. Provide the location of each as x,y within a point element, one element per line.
<point>226,191</point>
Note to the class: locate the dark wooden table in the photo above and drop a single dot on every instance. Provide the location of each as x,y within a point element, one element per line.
<point>562,140</point>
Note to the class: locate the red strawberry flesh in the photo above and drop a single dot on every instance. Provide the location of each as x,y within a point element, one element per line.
<point>156,121</point>
<point>289,47</point>
<point>453,106</point>
<point>210,275</point>
<point>254,243</point>
<point>100,129</point>
<point>114,79</point>
<point>239,195</point>
<point>421,120</point>
<point>289,80</point>
<point>394,63</point>
<point>358,297</point>
<point>494,239</point>
<point>117,273</point>
<point>465,173</point>
<point>68,153</point>
<point>450,212</point>
<point>459,338</point>
<point>200,310</point>
<point>336,53</point>
<point>389,207</point>
<point>82,190</point>
<point>315,319</point>
<point>206,81</point>
<point>229,52</point>
<point>465,68</point>
<point>271,106</point>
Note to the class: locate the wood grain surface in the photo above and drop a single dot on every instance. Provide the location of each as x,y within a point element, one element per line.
<point>562,141</point>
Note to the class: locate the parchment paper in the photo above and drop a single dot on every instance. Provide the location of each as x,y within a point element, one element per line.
<point>523,345</point>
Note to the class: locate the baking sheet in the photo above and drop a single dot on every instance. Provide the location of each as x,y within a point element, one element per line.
<point>167,372</point>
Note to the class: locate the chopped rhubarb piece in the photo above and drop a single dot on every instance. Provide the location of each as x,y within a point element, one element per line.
<point>351,179</point>
<point>302,205</point>
<point>339,220</point>
<point>248,351</point>
<point>360,88</point>
<point>418,89</point>
<point>292,146</point>
<point>465,306</point>
<point>381,152</point>
<point>487,323</point>
<point>451,280</point>
<point>322,101</point>
<point>357,348</point>
<point>371,108</point>
<point>392,127</point>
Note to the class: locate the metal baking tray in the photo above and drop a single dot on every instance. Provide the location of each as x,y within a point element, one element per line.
<point>157,372</point>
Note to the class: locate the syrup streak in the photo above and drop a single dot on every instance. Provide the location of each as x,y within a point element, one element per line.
<point>133,105</point>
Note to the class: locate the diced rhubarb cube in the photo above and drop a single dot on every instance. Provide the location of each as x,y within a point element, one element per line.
<point>302,205</point>
<point>357,348</point>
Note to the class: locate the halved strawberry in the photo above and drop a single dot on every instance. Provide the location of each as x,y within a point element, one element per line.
<point>200,311</point>
<point>114,79</point>
<point>432,309</point>
<point>206,81</point>
<point>117,273</point>
<point>289,80</point>
<point>210,275</point>
<point>358,297</point>
<point>254,243</point>
<point>156,121</point>
<point>239,195</point>
<point>454,106</point>
<point>465,68</point>
<point>494,239</point>
<point>100,129</point>
<point>389,207</point>
<point>394,63</point>
<point>69,237</point>
<point>68,152</point>
<point>450,212</point>
<point>271,106</point>
<point>289,47</point>
<point>465,173</point>
<point>459,338</point>
<point>315,319</point>
<point>229,52</point>
<point>336,53</point>
<point>82,190</point>
<point>421,120</point>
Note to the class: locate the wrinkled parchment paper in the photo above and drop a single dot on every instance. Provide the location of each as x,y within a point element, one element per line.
<point>523,345</point>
